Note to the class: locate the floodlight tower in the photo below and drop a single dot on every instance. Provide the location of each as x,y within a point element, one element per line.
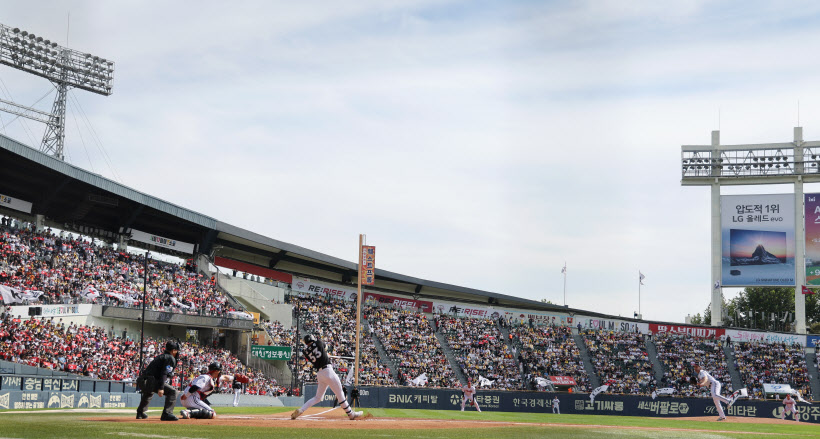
<point>62,66</point>
<point>717,165</point>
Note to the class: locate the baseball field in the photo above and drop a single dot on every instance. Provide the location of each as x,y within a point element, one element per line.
<point>319,423</point>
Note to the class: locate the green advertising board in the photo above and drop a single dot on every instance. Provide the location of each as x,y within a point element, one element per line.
<point>271,352</point>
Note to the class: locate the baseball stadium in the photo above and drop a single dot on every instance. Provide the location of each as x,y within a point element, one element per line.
<point>127,315</point>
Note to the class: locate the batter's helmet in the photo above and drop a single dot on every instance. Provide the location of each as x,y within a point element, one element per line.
<point>171,346</point>
<point>310,339</point>
<point>214,366</point>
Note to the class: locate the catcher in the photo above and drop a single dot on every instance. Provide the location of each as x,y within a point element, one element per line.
<point>195,396</point>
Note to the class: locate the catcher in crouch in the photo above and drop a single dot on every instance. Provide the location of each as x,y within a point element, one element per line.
<point>195,396</point>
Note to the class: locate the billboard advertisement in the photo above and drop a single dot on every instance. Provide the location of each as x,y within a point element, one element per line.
<point>757,240</point>
<point>812,219</point>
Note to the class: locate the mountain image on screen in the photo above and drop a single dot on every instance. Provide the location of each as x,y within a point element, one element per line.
<point>755,247</point>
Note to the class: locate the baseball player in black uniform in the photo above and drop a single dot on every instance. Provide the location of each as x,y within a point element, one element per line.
<point>315,353</point>
<point>154,379</point>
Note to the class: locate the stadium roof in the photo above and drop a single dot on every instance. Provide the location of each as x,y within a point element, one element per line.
<point>73,198</point>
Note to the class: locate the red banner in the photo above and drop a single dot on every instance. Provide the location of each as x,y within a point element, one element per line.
<point>398,301</point>
<point>253,269</point>
<point>691,330</point>
<point>562,381</point>
<point>368,265</point>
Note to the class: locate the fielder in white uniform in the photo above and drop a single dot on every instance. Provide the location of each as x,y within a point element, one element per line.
<point>195,396</point>
<point>556,406</point>
<point>469,395</point>
<point>315,353</point>
<point>790,407</point>
<point>704,378</point>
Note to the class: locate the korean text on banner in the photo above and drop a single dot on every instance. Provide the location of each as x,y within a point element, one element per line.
<point>15,203</point>
<point>757,240</point>
<point>368,265</point>
<point>812,224</point>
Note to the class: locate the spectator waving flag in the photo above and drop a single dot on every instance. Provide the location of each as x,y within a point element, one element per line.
<point>484,381</point>
<point>543,382</point>
<point>600,389</point>
<point>419,380</point>
<point>664,391</point>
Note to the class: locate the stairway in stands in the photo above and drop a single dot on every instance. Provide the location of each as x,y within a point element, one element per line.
<point>394,371</point>
<point>737,382</point>
<point>657,367</point>
<point>594,381</point>
<point>814,375</point>
<point>448,352</point>
<point>505,335</point>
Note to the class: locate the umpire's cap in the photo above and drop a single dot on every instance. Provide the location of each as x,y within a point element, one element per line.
<point>171,346</point>
<point>214,366</point>
<point>310,338</point>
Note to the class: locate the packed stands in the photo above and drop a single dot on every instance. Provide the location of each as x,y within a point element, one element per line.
<point>409,340</point>
<point>90,351</point>
<point>550,351</point>
<point>334,322</point>
<point>480,351</point>
<point>677,353</point>
<point>620,356</point>
<point>61,268</point>
<point>279,335</point>
<point>776,363</point>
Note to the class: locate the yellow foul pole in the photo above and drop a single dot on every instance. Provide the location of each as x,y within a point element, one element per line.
<point>358,313</point>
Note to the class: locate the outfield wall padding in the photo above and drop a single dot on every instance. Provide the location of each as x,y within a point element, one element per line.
<point>541,402</point>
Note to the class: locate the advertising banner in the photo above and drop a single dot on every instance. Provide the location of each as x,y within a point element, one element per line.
<point>461,310</point>
<point>55,310</point>
<point>813,341</point>
<point>570,403</point>
<point>562,381</point>
<point>368,265</point>
<point>782,389</point>
<point>15,203</point>
<point>159,241</point>
<point>737,335</point>
<point>812,222</point>
<point>271,352</point>
<point>757,240</point>
<point>309,286</point>
<point>691,330</point>
<point>613,325</point>
<point>374,299</point>
<point>538,317</point>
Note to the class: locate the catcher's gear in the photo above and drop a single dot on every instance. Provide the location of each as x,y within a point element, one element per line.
<point>214,366</point>
<point>239,378</point>
<point>310,339</point>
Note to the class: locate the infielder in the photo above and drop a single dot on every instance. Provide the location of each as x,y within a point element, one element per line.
<point>195,396</point>
<point>315,353</point>
<point>790,407</point>
<point>555,406</point>
<point>705,378</point>
<point>468,393</point>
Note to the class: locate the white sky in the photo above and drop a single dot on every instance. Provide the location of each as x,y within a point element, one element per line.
<point>477,143</point>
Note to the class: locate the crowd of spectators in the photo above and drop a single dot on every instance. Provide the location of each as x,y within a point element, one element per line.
<point>91,351</point>
<point>57,268</point>
<point>678,352</point>
<point>333,320</point>
<point>411,343</point>
<point>279,335</point>
<point>622,357</point>
<point>480,350</point>
<point>550,351</point>
<point>775,363</point>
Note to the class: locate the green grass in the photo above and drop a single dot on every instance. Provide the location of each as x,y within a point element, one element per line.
<point>55,424</point>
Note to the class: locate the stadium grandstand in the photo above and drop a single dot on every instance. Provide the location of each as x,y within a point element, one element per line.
<point>81,254</point>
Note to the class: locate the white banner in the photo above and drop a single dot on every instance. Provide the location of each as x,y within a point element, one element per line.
<point>757,240</point>
<point>462,310</point>
<point>15,203</point>
<point>613,325</point>
<point>538,317</point>
<point>14,295</point>
<point>309,286</point>
<point>765,337</point>
<point>159,241</point>
<point>777,388</point>
<point>54,310</point>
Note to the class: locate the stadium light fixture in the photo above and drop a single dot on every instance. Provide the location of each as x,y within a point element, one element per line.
<point>62,66</point>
